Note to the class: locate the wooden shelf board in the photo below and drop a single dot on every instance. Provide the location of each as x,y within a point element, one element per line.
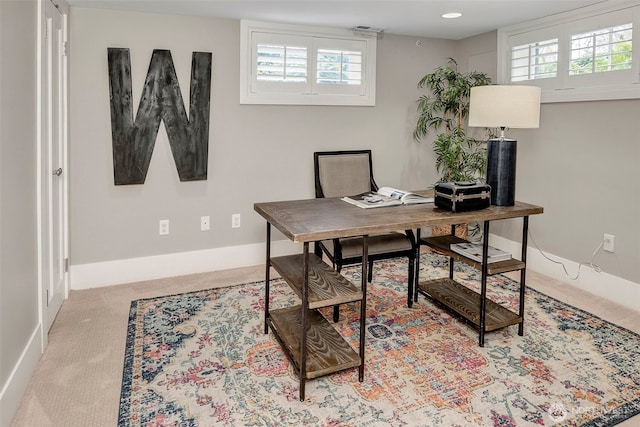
<point>327,351</point>
<point>466,303</point>
<point>326,286</point>
<point>442,243</point>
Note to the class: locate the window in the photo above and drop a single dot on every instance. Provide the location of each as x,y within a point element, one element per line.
<point>303,66</point>
<point>581,55</point>
<point>339,67</point>
<point>600,51</point>
<point>532,61</point>
<point>281,63</point>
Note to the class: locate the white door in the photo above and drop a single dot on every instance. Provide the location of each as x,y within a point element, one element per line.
<point>53,164</point>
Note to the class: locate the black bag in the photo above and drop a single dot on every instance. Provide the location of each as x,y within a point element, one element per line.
<point>462,196</point>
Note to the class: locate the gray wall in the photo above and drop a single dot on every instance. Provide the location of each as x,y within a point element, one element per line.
<point>256,153</point>
<point>18,244</point>
<point>581,165</point>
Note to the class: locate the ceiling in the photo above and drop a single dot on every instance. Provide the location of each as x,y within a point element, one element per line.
<point>418,18</point>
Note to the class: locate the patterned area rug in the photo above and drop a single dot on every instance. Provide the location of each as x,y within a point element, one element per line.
<point>202,359</point>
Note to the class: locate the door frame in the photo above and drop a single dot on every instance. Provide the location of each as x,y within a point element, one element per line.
<point>63,8</point>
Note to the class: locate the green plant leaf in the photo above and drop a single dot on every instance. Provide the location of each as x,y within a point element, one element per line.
<point>443,109</point>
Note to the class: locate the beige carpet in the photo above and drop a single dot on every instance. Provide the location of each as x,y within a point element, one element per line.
<point>77,381</point>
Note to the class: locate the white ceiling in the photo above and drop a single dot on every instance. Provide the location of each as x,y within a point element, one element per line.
<point>419,18</point>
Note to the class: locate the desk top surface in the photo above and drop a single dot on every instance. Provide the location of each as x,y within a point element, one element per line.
<point>319,219</point>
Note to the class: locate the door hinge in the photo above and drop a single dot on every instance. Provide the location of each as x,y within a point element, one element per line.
<point>65,49</point>
<point>47,297</point>
<point>66,265</point>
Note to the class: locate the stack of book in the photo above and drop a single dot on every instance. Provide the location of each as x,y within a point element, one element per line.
<point>473,251</point>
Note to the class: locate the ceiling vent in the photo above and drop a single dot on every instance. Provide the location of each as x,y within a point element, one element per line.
<point>367,31</point>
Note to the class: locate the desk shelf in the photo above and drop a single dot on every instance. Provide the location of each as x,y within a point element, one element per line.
<point>466,303</point>
<point>326,286</point>
<point>327,351</point>
<point>316,349</point>
<point>475,308</point>
<point>442,243</point>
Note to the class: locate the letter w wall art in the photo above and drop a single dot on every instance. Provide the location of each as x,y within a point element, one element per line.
<point>133,141</point>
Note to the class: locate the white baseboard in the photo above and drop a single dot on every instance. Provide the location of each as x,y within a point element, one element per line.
<point>604,285</point>
<point>86,276</point>
<point>13,390</point>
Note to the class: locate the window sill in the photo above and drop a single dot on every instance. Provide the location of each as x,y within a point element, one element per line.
<point>604,93</point>
<point>302,99</point>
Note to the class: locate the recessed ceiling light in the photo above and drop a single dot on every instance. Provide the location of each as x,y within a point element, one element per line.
<point>451,15</point>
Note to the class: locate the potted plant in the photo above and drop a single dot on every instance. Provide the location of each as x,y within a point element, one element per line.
<point>444,109</point>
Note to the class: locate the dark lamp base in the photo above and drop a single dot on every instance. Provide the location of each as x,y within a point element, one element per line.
<point>501,171</point>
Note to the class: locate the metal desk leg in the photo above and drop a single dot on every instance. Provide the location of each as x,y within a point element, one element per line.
<point>266,279</point>
<point>305,319</point>
<point>483,288</point>
<point>451,260</point>
<point>363,304</point>
<point>523,258</point>
<point>416,275</point>
<point>411,281</point>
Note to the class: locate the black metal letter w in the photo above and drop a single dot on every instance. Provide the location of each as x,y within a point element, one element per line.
<point>133,141</point>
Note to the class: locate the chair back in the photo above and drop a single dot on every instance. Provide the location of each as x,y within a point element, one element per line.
<point>343,173</point>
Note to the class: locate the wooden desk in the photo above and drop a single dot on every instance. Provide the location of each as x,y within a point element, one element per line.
<point>318,219</point>
<point>321,350</point>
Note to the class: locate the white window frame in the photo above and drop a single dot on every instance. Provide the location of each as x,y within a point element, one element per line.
<point>565,88</point>
<point>254,92</point>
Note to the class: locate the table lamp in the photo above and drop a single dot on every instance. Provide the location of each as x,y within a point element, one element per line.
<point>503,106</point>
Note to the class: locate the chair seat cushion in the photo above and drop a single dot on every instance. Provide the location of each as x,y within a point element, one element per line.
<point>378,244</point>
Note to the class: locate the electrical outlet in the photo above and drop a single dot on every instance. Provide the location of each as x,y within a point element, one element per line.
<point>164,227</point>
<point>609,243</point>
<point>204,223</point>
<point>235,221</point>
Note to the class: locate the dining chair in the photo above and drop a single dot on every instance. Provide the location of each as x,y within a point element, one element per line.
<point>348,173</point>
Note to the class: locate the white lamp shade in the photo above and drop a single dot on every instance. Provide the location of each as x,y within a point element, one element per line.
<point>504,106</point>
